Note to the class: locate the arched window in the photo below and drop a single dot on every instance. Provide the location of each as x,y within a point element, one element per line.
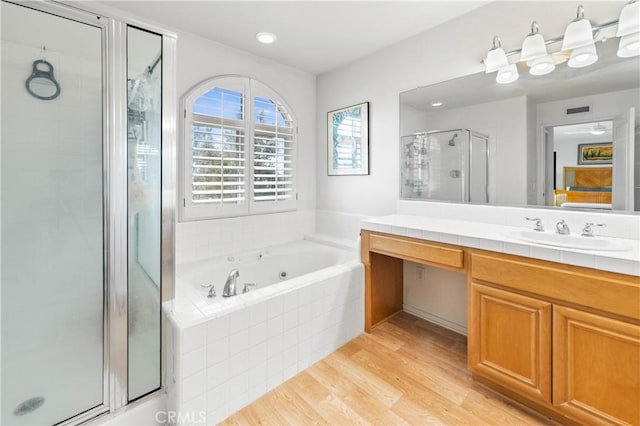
<point>239,150</point>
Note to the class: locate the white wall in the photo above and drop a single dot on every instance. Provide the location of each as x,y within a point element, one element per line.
<point>199,59</point>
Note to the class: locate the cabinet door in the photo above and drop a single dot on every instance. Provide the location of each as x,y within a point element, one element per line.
<point>596,367</point>
<point>510,340</point>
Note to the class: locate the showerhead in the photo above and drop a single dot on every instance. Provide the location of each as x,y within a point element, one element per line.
<point>452,141</point>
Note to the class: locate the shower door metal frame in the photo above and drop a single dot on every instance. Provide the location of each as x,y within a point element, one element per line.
<point>113,26</point>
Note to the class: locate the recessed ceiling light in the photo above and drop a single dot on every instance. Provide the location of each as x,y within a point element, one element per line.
<point>436,104</point>
<point>266,38</point>
<point>598,129</point>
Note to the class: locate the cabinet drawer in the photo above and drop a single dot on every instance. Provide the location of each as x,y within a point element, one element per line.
<point>418,251</point>
<point>605,291</point>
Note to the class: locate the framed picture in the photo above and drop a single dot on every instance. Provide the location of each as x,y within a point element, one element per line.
<point>348,140</point>
<point>595,153</point>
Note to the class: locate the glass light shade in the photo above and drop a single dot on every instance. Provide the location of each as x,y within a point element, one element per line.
<point>578,34</point>
<point>583,56</point>
<point>496,59</point>
<point>507,74</point>
<point>629,22</point>
<point>542,66</point>
<point>629,45</point>
<point>533,47</point>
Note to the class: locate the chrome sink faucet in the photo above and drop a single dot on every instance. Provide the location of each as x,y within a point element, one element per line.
<point>588,229</point>
<point>562,228</point>
<point>538,226</point>
<point>230,284</point>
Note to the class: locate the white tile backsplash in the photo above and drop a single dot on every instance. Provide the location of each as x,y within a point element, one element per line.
<point>208,238</point>
<point>617,225</point>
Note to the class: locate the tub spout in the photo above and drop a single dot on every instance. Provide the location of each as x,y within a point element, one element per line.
<point>230,284</point>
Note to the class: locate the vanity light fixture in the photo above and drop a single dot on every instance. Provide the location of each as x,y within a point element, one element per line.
<point>507,74</point>
<point>578,45</point>
<point>496,58</point>
<point>497,61</point>
<point>578,37</point>
<point>583,56</point>
<point>534,51</point>
<point>629,30</point>
<point>266,38</point>
<point>579,32</point>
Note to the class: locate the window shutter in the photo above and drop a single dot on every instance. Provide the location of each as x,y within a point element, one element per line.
<point>218,148</point>
<point>273,152</point>
<point>239,150</point>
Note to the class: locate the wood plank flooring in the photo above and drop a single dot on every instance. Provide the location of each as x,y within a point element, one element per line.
<point>407,371</point>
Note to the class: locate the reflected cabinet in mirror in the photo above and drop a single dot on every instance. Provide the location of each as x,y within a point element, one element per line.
<point>567,139</point>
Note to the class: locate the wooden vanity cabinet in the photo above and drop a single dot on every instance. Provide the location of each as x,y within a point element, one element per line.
<point>562,339</point>
<point>551,334</point>
<point>382,256</point>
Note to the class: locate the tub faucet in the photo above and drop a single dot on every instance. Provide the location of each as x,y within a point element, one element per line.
<point>562,228</point>
<point>230,284</point>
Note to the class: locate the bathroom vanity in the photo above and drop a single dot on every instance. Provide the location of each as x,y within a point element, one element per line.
<point>562,339</point>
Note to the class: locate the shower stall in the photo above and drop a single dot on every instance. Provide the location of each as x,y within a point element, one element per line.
<point>86,169</point>
<point>450,165</point>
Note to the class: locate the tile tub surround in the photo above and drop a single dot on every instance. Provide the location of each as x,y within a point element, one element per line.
<point>202,239</point>
<point>495,237</point>
<point>237,354</point>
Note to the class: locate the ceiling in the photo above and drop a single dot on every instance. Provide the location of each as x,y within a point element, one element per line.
<point>314,36</point>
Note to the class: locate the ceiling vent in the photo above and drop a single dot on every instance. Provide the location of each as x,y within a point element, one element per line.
<point>578,110</point>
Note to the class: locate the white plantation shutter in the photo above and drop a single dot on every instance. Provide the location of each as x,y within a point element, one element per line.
<point>273,152</point>
<point>241,156</point>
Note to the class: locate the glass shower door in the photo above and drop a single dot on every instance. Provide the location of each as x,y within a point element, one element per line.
<point>52,261</point>
<point>144,143</point>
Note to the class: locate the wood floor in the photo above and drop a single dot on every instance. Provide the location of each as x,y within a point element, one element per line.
<point>408,371</point>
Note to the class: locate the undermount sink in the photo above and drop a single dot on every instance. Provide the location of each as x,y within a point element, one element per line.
<point>570,241</point>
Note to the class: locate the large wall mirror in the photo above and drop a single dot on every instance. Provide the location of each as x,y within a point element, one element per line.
<point>568,139</point>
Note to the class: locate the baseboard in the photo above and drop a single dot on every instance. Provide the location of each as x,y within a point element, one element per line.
<point>461,329</point>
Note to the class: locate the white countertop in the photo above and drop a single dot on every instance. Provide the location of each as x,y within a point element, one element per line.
<point>497,238</point>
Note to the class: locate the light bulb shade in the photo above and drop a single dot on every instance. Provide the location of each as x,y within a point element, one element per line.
<point>629,21</point>
<point>533,47</point>
<point>496,59</point>
<point>578,34</point>
<point>583,56</point>
<point>542,66</point>
<point>629,45</point>
<point>507,74</point>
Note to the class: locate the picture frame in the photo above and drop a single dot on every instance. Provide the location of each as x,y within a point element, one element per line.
<point>348,140</point>
<point>595,153</point>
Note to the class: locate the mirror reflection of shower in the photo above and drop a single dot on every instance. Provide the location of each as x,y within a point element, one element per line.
<point>445,165</point>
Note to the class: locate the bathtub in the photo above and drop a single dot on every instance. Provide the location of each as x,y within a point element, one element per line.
<point>308,300</point>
